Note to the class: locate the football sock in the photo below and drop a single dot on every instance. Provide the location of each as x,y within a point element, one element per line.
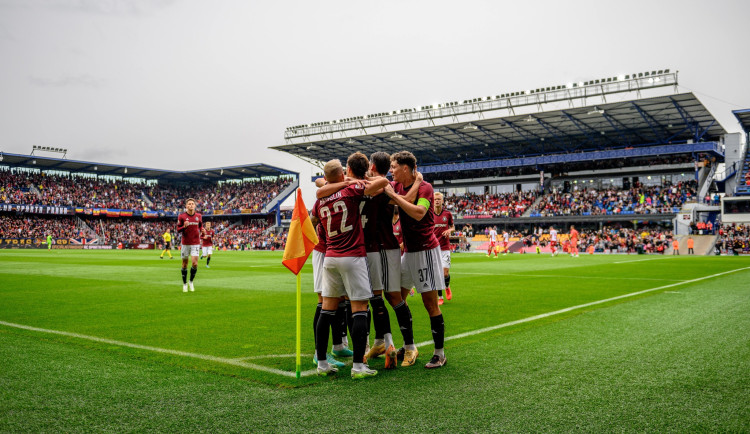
<point>440,293</point>
<point>184,275</point>
<point>321,332</point>
<point>359,336</point>
<point>380,317</point>
<point>193,270</point>
<point>438,331</point>
<point>403,315</point>
<point>388,340</point>
<point>208,261</point>
<point>318,308</point>
<point>448,281</point>
<point>338,329</point>
<point>348,305</point>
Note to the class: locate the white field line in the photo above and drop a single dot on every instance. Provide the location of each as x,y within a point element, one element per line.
<point>641,260</point>
<point>565,276</point>
<point>241,363</point>
<point>223,360</point>
<point>580,306</point>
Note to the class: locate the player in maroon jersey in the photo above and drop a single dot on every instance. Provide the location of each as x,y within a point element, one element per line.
<point>420,264</point>
<point>338,327</point>
<point>345,264</point>
<point>207,243</point>
<point>443,230</point>
<point>190,224</point>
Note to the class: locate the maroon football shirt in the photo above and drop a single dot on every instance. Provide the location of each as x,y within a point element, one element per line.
<point>443,221</point>
<point>339,214</point>
<point>418,235</point>
<point>190,226</point>
<point>386,238</point>
<point>208,241</point>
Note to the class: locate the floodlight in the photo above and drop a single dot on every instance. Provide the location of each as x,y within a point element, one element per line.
<point>395,136</point>
<point>1,156</point>
<point>126,170</point>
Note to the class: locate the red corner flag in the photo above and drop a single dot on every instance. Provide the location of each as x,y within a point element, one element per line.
<point>301,239</point>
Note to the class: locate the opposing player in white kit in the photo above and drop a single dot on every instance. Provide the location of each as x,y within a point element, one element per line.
<point>506,240</point>
<point>553,240</point>
<point>493,242</point>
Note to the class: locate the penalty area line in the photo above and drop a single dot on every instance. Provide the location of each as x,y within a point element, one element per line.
<point>233,362</point>
<point>580,306</point>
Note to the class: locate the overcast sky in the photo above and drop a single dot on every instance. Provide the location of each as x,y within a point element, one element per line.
<point>191,84</point>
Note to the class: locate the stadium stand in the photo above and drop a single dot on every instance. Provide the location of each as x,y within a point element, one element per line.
<point>615,152</point>
<point>78,207</point>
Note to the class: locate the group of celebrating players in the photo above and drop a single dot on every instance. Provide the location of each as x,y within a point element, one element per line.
<point>359,260</point>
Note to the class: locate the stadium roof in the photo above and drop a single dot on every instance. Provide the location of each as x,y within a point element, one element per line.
<point>672,119</point>
<point>744,117</point>
<point>74,166</point>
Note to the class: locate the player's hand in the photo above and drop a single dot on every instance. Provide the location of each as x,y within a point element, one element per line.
<point>419,177</point>
<point>447,233</point>
<point>388,189</point>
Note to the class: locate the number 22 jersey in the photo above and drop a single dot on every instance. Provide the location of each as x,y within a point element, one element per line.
<point>340,217</point>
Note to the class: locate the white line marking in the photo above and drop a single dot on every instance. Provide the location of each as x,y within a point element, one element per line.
<point>270,356</point>
<point>568,309</point>
<point>223,360</point>
<point>639,260</point>
<point>565,276</point>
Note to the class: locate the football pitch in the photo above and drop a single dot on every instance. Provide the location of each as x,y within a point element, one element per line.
<point>107,340</point>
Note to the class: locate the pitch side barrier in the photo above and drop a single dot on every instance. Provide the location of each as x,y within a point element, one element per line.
<point>69,244</point>
<point>487,220</point>
<point>111,212</point>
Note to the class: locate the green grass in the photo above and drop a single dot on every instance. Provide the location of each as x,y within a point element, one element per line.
<point>674,359</point>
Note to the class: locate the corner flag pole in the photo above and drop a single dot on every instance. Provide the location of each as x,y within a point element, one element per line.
<point>299,324</point>
<point>300,243</point>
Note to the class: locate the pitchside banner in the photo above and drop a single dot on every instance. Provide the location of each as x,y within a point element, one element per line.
<point>35,243</point>
<point>35,209</point>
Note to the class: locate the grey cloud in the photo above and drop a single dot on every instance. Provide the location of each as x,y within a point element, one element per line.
<point>81,80</point>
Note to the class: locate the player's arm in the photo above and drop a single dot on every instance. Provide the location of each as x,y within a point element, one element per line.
<point>449,231</point>
<point>328,189</point>
<point>180,224</point>
<point>376,185</point>
<point>416,211</point>
<point>411,195</point>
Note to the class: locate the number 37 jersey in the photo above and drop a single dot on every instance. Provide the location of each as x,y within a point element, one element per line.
<point>339,214</point>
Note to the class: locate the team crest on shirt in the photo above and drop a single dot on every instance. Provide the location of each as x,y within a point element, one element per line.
<point>445,219</point>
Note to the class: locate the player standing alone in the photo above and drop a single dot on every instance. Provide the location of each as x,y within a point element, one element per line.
<point>573,241</point>
<point>190,223</point>
<point>443,228</point>
<point>553,240</point>
<point>493,242</point>
<point>207,243</point>
<point>167,236</point>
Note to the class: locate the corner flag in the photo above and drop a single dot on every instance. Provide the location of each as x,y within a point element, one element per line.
<point>299,244</point>
<point>301,239</point>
